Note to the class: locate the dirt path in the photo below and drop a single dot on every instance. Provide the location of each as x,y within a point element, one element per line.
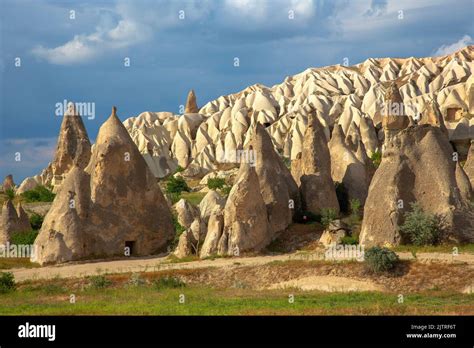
<point>159,263</point>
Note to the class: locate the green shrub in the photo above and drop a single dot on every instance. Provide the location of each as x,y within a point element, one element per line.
<point>38,194</point>
<point>328,215</point>
<point>350,240</point>
<point>176,185</point>
<point>36,221</point>
<point>168,283</point>
<point>10,193</point>
<point>24,237</point>
<point>7,282</point>
<point>355,206</point>
<point>422,228</point>
<point>342,197</point>
<point>178,232</point>
<point>376,158</point>
<point>215,183</point>
<point>286,162</point>
<point>378,260</point>
<point>179,169</point>
<point>173,197</point>
<point>99,282</point>
<point>225,190</point>
<point>52,289</point>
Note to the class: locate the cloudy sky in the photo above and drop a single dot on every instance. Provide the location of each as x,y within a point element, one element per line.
<point>145,55</point>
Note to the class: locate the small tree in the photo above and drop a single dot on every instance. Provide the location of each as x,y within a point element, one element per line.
<point>39,194</point>
<point>376,158</point>
<point>10,193</point>
<point>328,215</point>
<point>7,282</point>
<point>378,260</point>
<point>36,221</point>
<point>422,228</point>
<point>176,185</point>
<point>215,183</point>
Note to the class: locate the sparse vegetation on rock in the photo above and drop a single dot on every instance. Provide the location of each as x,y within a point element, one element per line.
<point>379,260</point>
<point>421,228</point>
<point>39,194</point>
<point>7,282</point>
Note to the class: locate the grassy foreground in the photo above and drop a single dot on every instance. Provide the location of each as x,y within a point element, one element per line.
<point>53,298</point>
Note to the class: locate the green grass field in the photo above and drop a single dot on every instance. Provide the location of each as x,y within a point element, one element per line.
<point>53,298</point>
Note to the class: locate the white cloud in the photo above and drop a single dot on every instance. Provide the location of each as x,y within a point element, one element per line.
<point>451,48</point>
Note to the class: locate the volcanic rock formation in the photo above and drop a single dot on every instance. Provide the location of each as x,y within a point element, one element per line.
<point>312,171</point>
<point>12,221</point>
<point>417,166</point>
<point>112,207</point>
<point>73,149</point>
<point>246,225</point>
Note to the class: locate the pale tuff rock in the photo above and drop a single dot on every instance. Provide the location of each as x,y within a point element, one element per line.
<point>23,223</point>
<point>334,233</point>
<point>191,240</point>
<point>215,226</point>
<point>277,186</point>
<point>181,149</point>
<point>346,167</point>
<point>73,147</point>
<point>313,171</point>
<point>340,95</point>
<point>12,221</point>
<point>246,226</point>
<point>416,166</point>
<point>186,212</point>
<point>394,118</point>
<point>28,184</point>
<point>368,135</point>
<point>211,203</point>
<point>432,115</point>
<point>112,206</point>
<point>463,183</point>
<point>191,104</point>
<point>469,165</point>
<point>63,236</point>
<point>8,183</point>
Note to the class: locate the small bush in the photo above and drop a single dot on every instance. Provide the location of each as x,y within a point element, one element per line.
<point>179,229</point>
<point>378,260</point>
<point>179,169</point>
<point>23,238</point>
<point>215,183</point>
<point>173,197</point>
<point>225,190</point>
<point>10,193</point>
<point>376,158</point>
<point>350,240</point>
<point>52,289</point>
<point>286,162</point>
<point>7,282</point>
<point>38,194</point>
<point>355,206</point>
<point>176,185</point>
<point>168,283</point>
<point>422,228</point>
<point>342,197</point>
<point>36,221</point>
<point>99,282</point>
<point>328,215</point>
